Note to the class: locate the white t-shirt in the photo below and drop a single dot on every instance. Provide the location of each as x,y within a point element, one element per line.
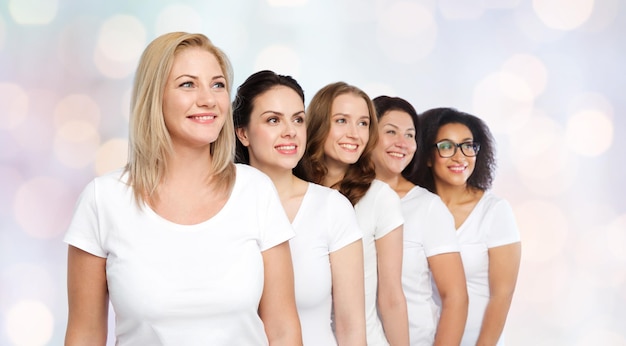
<point>378,213</point>
<point>428,231</point>
<point>325,223</point>
<point>173,284</point>
<point>490,224</point>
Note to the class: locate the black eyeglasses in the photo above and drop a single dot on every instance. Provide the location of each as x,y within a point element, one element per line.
<point>447,148</point>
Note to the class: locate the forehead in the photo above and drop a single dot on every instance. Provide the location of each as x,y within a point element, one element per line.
<point>196,59</point>
<point>350,104</point>
<point>278,97</point>
<point>454,131</point>
<point>398,118</point>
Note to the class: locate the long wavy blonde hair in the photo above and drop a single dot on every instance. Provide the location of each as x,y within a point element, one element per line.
<point>150,143</point>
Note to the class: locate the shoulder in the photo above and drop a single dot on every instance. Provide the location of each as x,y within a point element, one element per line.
<point>250,176</point>
<point>492,202</point>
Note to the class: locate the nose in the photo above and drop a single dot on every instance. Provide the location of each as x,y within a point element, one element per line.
<point>206,98</point>
<point>352,131</point>
<point>458,155</point>
<point>289,130</point>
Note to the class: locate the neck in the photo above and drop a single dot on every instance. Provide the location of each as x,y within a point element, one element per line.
<point>455,194</point>
<point>190,164</point>
<point>284,180</point>
<point>335,174</point>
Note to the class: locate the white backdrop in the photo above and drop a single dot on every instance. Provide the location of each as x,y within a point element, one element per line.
<point>548,76</point>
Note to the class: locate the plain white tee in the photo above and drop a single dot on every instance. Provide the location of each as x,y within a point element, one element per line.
<point>378,213</point>
<point>173,284</point>
<point>428,231</point>
<point>325,223</point>
<point>490,224</point>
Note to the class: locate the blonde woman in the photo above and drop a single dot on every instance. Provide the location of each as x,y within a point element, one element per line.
<point>189,248</point>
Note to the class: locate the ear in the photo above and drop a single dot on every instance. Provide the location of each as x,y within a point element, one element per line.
<point>242,134</point>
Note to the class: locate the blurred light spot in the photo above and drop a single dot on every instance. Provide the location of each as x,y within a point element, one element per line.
<point>530,69</point>
<point>563,14</point>
<point>279,58</point>
<point>43,207</point>
<point>590,100</point>
<point>178,17</point>
<point>120,42</point>
<point>603,15</point>
<point>77,107</point>
<point>533,28</point>
<point>33,12</point>
<point>125,103</point>
<point>76,143</point>
<point>592,256</point>
<point>406,32</point>
<point>543,227</point>
<point>112,154</point>
<point>616,238</point>
<point>504,101</point>
<point>541,143</point>
<point>29,323</point>
<point>589,133</point>
<point>13,105</point>
<point>286,3</point>
<point>454,9</point>
<point>601,336</point>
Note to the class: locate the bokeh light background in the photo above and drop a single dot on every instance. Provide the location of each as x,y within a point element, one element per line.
<point>547,76</point>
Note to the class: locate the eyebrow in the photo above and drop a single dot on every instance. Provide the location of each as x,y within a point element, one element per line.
<point>279,113</point>
<point>396,127</point>
<point>196,77</point>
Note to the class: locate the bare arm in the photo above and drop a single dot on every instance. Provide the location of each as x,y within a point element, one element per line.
<point>277,308</point>
<point>391,300</point>
<point>88,299</point>
<point>348,294</point>
<point>504,264</point>
<point>448,274</point>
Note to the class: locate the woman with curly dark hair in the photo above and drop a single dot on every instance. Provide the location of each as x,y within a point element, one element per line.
<point>342,132</point>
<point>457,162</point>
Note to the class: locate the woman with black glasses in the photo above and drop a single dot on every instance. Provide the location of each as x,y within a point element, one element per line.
<point>457,161</point>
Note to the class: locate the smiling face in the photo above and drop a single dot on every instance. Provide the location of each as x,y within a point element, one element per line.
<point>396,143</point>
<point>455,170</point>
<point>276,133</point>
<point>196,102</point>
<point>349,130</point>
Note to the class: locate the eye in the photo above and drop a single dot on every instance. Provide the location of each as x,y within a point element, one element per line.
<point>467,145</point>
<point>273,120</point>
<point>188,84</point>
<point>391,132</point>
<point>445,145</point>
<point>340,121</point>
<point>219,85</point>
<point>298,120</point>
<point>410,135</point>
<point>364,123</point>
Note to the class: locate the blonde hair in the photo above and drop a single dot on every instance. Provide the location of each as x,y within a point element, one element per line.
<point>150,143</point>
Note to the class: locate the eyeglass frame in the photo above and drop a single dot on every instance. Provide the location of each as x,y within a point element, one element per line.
<point>457,146</point>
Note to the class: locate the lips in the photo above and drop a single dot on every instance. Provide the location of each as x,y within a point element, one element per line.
<point>287,148</point>
<point>396,154</point>
<point>349,146</point>
<point>206,117</point>
<point>457,169</point>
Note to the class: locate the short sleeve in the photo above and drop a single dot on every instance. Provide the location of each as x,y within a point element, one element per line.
<point>275,227</point>
<point>388,209</point>
<point>440,233</point>
<point>344,228</point>
<point>501,226</point>
<point>84,231</point>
